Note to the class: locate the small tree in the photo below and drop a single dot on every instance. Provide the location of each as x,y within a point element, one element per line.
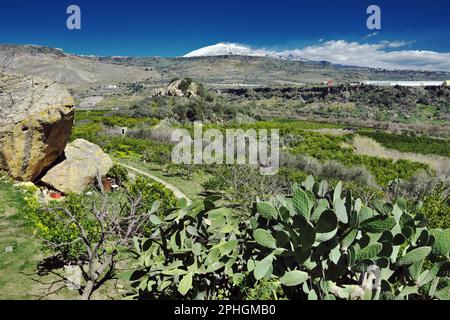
<point>91,231</point>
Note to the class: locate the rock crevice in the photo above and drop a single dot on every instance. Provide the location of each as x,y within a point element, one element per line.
<point>36,117</point>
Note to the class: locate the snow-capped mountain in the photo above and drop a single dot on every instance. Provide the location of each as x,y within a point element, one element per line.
<point>234,49</point>
<point>224,49</point>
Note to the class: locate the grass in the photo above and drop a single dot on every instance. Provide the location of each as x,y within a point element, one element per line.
<point>284,125</point>
<point>123,101</point>
<point>426,114</point>
<point>17,268</point>
<point>16,232</point>
<point>103,118</point>
<point>192,188</point>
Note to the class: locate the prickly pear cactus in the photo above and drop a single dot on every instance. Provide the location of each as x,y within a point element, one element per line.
<point>322,244</point>
<point>316,244</point>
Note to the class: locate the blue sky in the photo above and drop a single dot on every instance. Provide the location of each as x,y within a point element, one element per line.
<point>173,28</point>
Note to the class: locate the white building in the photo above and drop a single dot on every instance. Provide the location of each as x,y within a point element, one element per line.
<point>110,86</point>
<point>405,83</point>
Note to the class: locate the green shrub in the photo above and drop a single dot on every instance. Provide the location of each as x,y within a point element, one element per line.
<point>405,143</point>
<point>436,207</point>
<point>115,118</point>
<point>267,289</point>
<point>151,191</point>
<point>87,131</point>
<point>185,84</point>
<point>215,184</point>
<point>51,221</point>
<point>119,173</point>
<point>243,183</point>
<point>326,148</point>
<point>51,225</point>
<point>127,147</point>
<point>324,156</point>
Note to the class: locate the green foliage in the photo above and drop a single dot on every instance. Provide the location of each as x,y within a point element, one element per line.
<point>151,191</point>
<point>127,147</point>
<point>90,125</point>
<point>315,244</point>
<point>50,223</point>
<point>184,84</point>
<point>215,184</point>
<point>326,148</point>
<point>266,289</point>
<point>330,154</point>
<point>393,104</point>
<point>87,131</point>
<point>129,122</point>
<point>329,241</point>
<point>193,254</point>
<point>18,278</point>
<point>112,119</point>
<point>119,173</point>
<point>208,110</point>
<point>405,143</point>
<point>436,207</point>
<point>242,184</point>
<point>286,126</point>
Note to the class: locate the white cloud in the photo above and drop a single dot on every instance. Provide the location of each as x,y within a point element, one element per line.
<point>376,55</point>
<point>385,54</point>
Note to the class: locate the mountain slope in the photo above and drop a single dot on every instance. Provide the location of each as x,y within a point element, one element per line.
<point>54,64</point>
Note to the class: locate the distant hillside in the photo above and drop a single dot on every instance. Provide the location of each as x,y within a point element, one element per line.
<point>69,69</point>
<point>235,71</point>
<point>426,107</point>
<point>217,71</point>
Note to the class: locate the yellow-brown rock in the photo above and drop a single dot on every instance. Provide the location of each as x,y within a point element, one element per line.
<point>84,161</point>
<point>36,117</point>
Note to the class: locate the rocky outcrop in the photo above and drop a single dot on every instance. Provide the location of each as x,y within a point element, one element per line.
<point>36,117</point>
<point>181,88</point>
<point>84,160</point>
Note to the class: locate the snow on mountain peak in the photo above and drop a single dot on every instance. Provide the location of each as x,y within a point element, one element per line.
<point>235,49</point>
<point>222,49</point>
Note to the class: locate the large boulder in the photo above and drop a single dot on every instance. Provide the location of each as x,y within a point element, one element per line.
<point>36,117</point>
<point>181,88</point>
<point>84,161</point>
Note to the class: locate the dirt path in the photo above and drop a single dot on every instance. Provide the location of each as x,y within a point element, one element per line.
<point>177,192</point>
